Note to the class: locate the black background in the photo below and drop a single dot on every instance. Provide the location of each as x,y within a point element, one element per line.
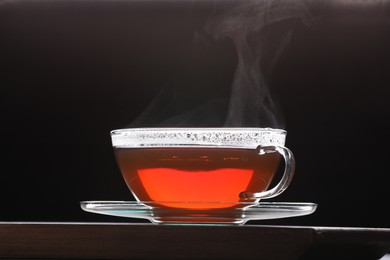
<point>72,71</point>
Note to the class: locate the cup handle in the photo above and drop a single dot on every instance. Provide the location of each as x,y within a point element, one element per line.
<point>289,170</point>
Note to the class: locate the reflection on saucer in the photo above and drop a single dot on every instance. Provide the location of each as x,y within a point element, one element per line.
<point>175,215</point>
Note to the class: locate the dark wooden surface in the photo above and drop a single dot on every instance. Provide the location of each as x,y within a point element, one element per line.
<point>29,240</point>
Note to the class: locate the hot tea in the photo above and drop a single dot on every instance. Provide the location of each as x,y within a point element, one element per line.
<point>196,177</point>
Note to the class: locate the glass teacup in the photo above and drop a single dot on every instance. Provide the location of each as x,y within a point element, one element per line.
<point>202,168</point>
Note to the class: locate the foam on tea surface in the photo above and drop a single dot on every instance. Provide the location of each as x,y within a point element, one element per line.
<point>222,137</point>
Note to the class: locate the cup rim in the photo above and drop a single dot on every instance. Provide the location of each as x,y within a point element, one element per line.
<point>238,137</point>
<point>198,129</point>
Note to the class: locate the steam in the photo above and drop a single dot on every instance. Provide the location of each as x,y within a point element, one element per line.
<point>251,102</point>
<point>260,31</point>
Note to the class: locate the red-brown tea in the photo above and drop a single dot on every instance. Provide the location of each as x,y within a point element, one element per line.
<point>199,178</point>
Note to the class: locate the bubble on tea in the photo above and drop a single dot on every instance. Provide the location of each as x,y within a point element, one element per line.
<point>228,137</point>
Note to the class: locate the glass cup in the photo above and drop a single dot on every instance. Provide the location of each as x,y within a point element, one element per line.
<point>202,168</point>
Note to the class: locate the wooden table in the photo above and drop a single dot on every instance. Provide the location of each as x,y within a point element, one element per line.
<point>30,240</point>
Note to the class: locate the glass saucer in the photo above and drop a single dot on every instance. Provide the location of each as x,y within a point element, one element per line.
<point>234,214</point>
